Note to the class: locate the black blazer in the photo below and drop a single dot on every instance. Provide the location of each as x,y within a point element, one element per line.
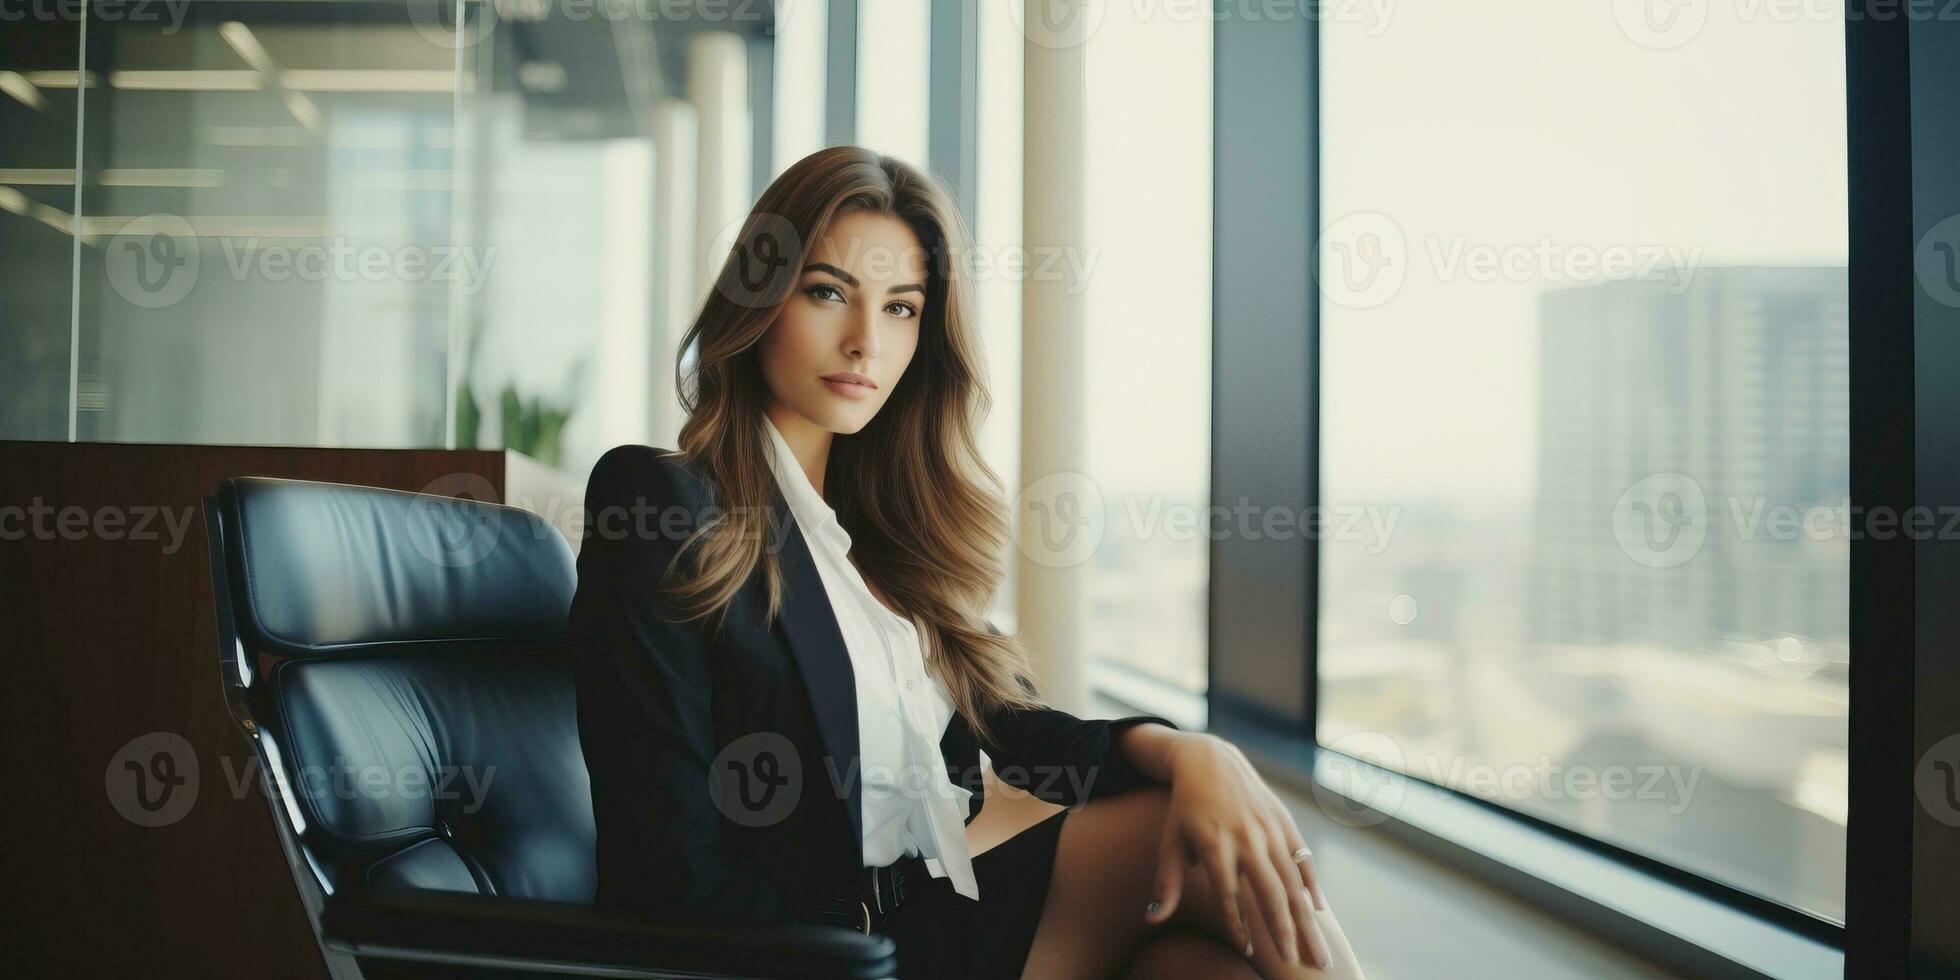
<point>724,769</point>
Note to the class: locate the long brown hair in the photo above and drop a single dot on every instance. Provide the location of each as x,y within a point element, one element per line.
<point>926,515</point>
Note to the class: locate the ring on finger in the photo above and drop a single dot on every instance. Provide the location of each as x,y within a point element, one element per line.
<point>1301,854</point>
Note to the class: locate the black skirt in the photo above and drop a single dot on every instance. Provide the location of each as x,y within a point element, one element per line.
<point>943,935</point>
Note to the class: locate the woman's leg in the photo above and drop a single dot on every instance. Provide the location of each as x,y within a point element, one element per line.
<point>1105,863</point>
<point>1181,953</point>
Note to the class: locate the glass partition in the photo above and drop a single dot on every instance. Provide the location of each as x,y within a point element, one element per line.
<point>39,111</point>
<point>266,222</point>
<point>379,224</point>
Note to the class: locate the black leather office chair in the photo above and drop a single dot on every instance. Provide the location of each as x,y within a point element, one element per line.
<point>397,662</point>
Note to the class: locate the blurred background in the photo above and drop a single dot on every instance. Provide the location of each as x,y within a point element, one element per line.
<point>1573,380</point>
<point>420,224</point>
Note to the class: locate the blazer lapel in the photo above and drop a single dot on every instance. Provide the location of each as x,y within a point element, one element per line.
<point>810,625</point>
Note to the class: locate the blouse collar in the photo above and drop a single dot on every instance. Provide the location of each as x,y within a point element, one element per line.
<point>806,505</point>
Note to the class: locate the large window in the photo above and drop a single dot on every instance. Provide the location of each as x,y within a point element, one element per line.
<point>1146,275</point>
<point>1584,412</point>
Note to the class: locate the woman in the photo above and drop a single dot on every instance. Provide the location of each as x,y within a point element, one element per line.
<point>785,673</point>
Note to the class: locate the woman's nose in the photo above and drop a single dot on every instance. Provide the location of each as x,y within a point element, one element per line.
<point>862,341</point>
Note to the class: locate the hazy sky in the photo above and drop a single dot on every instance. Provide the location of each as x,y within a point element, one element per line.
<point>1495,125</point>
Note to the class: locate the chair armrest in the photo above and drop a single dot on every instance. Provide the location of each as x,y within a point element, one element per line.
<point>489,932</point>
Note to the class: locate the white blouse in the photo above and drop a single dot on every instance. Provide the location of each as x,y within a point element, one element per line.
<point>910,806</point>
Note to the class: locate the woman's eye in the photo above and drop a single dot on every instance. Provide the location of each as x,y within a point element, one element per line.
<point>902,310</point>
<point>824,290</point>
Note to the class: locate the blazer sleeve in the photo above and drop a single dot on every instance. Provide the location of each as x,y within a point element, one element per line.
<point>1058,757</point>
<point>644,697</point>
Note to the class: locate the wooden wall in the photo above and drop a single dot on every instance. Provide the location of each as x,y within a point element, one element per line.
<point>105,586</point>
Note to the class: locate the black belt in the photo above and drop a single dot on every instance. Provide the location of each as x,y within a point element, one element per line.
<point>877,893</point>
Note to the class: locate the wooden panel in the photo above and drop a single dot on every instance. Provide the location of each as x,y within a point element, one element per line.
<point>105,581</point>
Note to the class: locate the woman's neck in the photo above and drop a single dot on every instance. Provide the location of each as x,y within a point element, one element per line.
<point>808,441</point>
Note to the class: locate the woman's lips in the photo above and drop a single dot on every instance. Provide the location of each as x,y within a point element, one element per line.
<point>848,389</point>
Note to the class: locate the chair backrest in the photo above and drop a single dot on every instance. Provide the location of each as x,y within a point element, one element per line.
<point>418,723</point>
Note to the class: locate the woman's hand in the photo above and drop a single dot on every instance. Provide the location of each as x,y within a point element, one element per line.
<point>1223,817</point>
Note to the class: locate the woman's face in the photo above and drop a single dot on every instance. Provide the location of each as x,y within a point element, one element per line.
<point>851,325</point>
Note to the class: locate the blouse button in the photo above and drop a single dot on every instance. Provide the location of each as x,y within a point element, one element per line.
<point>911,685</point>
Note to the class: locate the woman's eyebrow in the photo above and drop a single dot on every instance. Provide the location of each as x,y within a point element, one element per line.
<point>851,280</point>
